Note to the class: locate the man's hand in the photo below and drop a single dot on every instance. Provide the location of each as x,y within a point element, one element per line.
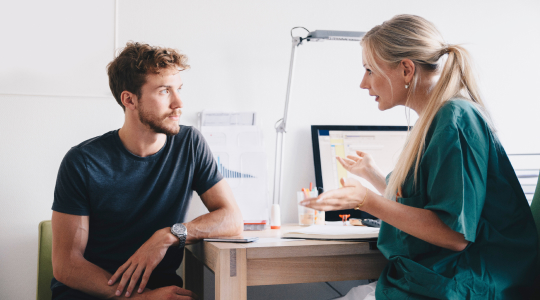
<point>170,292</point>
<point>145,259</point>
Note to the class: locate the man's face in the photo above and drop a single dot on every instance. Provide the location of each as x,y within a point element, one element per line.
<point>159,105</point>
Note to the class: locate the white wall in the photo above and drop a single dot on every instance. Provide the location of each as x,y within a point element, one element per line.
<point>54,92</point>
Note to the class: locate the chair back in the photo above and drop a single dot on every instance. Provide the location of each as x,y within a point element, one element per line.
<point>45,271</point>
<point>535,207</point>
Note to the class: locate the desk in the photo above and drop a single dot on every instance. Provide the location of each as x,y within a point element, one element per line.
<point>237,265</point>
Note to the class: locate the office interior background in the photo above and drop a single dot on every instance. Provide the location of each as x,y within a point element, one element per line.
<point>54,89</point>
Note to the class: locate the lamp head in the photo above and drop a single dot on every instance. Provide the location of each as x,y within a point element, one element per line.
<point>321,35</point>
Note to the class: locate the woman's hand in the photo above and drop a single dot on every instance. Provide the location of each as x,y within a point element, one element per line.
<point>349,196</point>
<point>364,166</point>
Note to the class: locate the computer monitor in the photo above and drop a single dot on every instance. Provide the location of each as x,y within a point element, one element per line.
<point>383,143</point>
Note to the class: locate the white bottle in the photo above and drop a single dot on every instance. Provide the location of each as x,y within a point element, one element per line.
<point>275,217</point>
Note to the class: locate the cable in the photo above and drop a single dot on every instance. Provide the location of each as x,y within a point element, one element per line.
<point>299,27</point>
<point>341,295</point>
<point>277,123</point>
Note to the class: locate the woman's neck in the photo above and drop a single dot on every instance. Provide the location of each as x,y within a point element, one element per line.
<point>422,92</point>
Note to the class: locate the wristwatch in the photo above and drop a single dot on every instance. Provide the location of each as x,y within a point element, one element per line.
<point>180,231</point>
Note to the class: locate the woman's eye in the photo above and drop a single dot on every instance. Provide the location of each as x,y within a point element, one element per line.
<point>368,71</point>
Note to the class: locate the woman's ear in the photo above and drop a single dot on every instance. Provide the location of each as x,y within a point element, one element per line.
<point>408,70</point>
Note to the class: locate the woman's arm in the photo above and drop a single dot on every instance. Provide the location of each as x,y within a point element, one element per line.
<point>418,222</point>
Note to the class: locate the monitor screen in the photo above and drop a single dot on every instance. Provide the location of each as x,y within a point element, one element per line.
<point>383,143</point>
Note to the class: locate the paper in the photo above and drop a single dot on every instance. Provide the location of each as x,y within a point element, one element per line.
<point>275,240</point>
<point>337,230</point>
<point>227,119</point>
<point>238,148</point>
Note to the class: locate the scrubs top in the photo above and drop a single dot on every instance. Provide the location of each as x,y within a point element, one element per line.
<point>465,177</point>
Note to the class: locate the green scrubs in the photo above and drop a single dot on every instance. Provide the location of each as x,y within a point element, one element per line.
<point>466,178</point>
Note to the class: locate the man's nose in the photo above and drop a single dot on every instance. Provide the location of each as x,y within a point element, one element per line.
<point>176,102</point>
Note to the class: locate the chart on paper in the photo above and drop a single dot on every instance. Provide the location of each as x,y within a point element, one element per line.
<point>237,146</point>
<point>228,173</point>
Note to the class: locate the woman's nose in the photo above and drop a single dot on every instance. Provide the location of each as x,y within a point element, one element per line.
<point>363,83</point>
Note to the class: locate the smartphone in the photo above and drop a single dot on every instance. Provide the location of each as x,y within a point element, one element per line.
<point>232,239</point>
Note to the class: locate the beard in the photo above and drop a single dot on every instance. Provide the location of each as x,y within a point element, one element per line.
<point>158,123</point>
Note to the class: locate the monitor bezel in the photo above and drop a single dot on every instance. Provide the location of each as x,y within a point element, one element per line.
<point>334,215</point>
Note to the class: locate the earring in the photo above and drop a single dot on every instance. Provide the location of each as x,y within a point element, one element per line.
<point>407,86</point>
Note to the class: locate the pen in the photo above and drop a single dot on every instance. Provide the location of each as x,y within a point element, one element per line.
<point>306,194</point>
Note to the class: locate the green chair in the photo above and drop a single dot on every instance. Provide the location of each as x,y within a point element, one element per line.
<point>45,270</point>
<point>535,207</point>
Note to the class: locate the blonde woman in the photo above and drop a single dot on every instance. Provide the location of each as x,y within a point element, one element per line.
<point>456,224</point>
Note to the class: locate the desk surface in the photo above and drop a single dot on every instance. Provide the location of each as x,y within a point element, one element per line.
<point>237,265</point>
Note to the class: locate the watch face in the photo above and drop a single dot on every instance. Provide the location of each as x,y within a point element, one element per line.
<point>179,229</point>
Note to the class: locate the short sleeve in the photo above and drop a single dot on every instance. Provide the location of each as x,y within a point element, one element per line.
<point>206,173</point>
<point>454,166</point>
<point>70,193</point>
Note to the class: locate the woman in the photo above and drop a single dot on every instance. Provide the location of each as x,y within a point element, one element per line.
<point>457,225</point>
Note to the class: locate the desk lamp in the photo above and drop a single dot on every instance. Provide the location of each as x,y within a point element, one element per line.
<point>281,124</point>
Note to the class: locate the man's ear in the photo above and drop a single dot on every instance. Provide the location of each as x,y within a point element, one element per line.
<point>408,70</point>
<point>129,100</point>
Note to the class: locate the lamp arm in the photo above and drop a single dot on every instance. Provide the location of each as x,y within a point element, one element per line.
<point>281,127</point>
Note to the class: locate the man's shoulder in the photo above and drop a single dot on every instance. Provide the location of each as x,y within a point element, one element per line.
<point>188,135</point>
<point>98,141</point>
<point>188,132</point>
<point>94,146</point>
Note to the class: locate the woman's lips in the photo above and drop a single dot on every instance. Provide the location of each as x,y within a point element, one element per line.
<point>376,98</point>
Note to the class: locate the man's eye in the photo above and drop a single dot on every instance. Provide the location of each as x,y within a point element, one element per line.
<point>164,92</point>
<point>178,90</point>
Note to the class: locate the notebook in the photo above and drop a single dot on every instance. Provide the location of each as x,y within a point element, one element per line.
<point>339,233</point>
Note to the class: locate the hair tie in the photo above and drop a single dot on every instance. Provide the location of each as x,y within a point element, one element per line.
<point>448,48</point>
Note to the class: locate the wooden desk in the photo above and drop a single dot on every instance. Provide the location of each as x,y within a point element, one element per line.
<point>238,265</point>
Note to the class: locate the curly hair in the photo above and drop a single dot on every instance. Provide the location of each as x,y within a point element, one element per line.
<point>127,72</point>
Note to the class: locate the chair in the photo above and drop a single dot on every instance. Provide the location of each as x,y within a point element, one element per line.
<point>45,271</point>
<point>535,208</point>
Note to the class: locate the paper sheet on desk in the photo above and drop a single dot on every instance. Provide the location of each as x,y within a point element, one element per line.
<point>334,232</point>
<point>275,240</point>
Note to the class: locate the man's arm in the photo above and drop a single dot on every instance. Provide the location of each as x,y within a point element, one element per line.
<point>70,236</point>
<point>224,219</point>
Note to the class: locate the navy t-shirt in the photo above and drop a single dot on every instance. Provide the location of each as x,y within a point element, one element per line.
<point>128,198</point>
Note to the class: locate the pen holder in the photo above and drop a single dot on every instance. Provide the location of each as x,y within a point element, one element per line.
<point>307,216</point>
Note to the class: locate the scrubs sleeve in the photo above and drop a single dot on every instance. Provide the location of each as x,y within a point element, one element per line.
<point>455,168</point>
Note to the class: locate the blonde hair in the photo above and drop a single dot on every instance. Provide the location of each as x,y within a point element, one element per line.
<point>415,38</point>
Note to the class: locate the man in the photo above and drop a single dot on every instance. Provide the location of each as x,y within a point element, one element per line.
<point>121,198</point>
